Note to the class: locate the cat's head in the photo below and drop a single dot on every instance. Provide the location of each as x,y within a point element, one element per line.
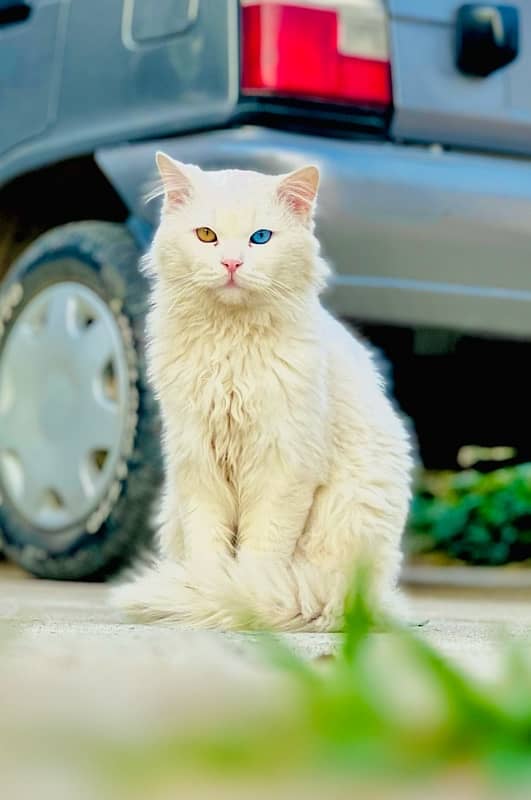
<point>238,237</point>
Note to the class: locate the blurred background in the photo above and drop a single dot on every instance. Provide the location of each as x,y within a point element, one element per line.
<point>419,116</point>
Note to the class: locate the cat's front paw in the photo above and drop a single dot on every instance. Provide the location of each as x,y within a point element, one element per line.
<point>310,605</point>
<point>317,616</point>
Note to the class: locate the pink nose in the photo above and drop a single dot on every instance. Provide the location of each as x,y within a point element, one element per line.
<point>232,264</point>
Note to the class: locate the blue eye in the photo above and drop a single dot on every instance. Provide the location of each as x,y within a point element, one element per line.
<point>261,237</point>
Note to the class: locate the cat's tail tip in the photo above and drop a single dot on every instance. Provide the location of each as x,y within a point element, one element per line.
<point>151,594</point>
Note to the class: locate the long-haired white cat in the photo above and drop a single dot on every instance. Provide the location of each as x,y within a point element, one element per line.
<point>286,465</point>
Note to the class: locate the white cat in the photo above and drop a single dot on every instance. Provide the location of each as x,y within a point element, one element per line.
<point>286,464</point>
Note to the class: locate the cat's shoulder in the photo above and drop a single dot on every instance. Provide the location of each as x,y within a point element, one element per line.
<point>342,335</point>
<point>347,349</point>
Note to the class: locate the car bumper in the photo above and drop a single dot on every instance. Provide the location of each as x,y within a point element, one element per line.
<point>417,236</point>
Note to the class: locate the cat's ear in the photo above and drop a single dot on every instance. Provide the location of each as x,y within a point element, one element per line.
<point>175,182</point>
<point>298,190</point>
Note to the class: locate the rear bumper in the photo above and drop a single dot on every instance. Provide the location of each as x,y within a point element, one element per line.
<point>417,237</point>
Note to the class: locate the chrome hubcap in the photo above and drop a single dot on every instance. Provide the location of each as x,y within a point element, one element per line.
<point>64,395</point>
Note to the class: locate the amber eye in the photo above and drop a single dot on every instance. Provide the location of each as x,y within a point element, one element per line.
<point>206,235</point>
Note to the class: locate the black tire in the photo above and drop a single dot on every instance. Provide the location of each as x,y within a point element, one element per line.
<point>104,257</point>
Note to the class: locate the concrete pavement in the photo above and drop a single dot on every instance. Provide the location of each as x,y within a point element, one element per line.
<point>43,619</point>
<point>69,662</point>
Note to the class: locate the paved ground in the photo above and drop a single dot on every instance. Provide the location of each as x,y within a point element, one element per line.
<point>66,656</point>
<point>52,623</point>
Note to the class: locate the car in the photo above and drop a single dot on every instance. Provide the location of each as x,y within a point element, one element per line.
<point>419,117</point>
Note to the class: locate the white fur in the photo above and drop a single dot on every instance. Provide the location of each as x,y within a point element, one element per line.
<point>286,464</point>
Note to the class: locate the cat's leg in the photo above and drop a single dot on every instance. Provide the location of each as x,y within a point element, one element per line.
<point>356,522</point>
<point>169,525</point>
<point>274,506</point>
<point>191,582</point>
<point>207,511</point>
<point>196,521</point>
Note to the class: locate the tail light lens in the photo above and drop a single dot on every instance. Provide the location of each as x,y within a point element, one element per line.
<point>336,51</point>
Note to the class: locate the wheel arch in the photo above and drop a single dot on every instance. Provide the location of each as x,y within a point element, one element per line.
<point>68,191</point>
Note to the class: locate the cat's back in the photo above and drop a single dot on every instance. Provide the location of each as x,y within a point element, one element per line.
<point>354,375</point>
<point>344,347</point>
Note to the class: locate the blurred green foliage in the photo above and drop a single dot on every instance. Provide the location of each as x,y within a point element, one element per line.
<point>479,518</point>
<point>387,708</point>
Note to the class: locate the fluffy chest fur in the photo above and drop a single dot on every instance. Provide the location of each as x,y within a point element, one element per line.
<point>231,393</point>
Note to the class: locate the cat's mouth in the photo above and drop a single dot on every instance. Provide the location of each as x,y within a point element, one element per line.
<point>232,291</point>
<point>232,283</point>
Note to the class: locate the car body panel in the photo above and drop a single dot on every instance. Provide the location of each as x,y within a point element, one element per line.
<point>112,75</point>
<point>434,102</point>
<point>417,236</point>
<point>30,59</point>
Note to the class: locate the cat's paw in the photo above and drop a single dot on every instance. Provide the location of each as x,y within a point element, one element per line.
<point>310,606</point>
<point>332,618</point>
<point>321,596</point>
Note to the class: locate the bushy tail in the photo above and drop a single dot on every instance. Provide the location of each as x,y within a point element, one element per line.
<point>295,596</point>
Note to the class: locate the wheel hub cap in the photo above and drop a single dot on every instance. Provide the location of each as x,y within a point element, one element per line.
<point>63,405</point>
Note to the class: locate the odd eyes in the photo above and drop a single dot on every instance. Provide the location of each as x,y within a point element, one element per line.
<point>206,235</point>
<point>261,236</point>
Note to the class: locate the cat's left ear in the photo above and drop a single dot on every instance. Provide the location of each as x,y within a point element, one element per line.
<point>298,190</point>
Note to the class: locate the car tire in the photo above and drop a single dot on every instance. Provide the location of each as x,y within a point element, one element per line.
<point>79,429</point>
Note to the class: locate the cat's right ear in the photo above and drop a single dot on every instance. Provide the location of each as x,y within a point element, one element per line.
<point>175,182</point>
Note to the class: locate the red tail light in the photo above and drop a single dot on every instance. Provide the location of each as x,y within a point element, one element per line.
<point>327,50</point>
